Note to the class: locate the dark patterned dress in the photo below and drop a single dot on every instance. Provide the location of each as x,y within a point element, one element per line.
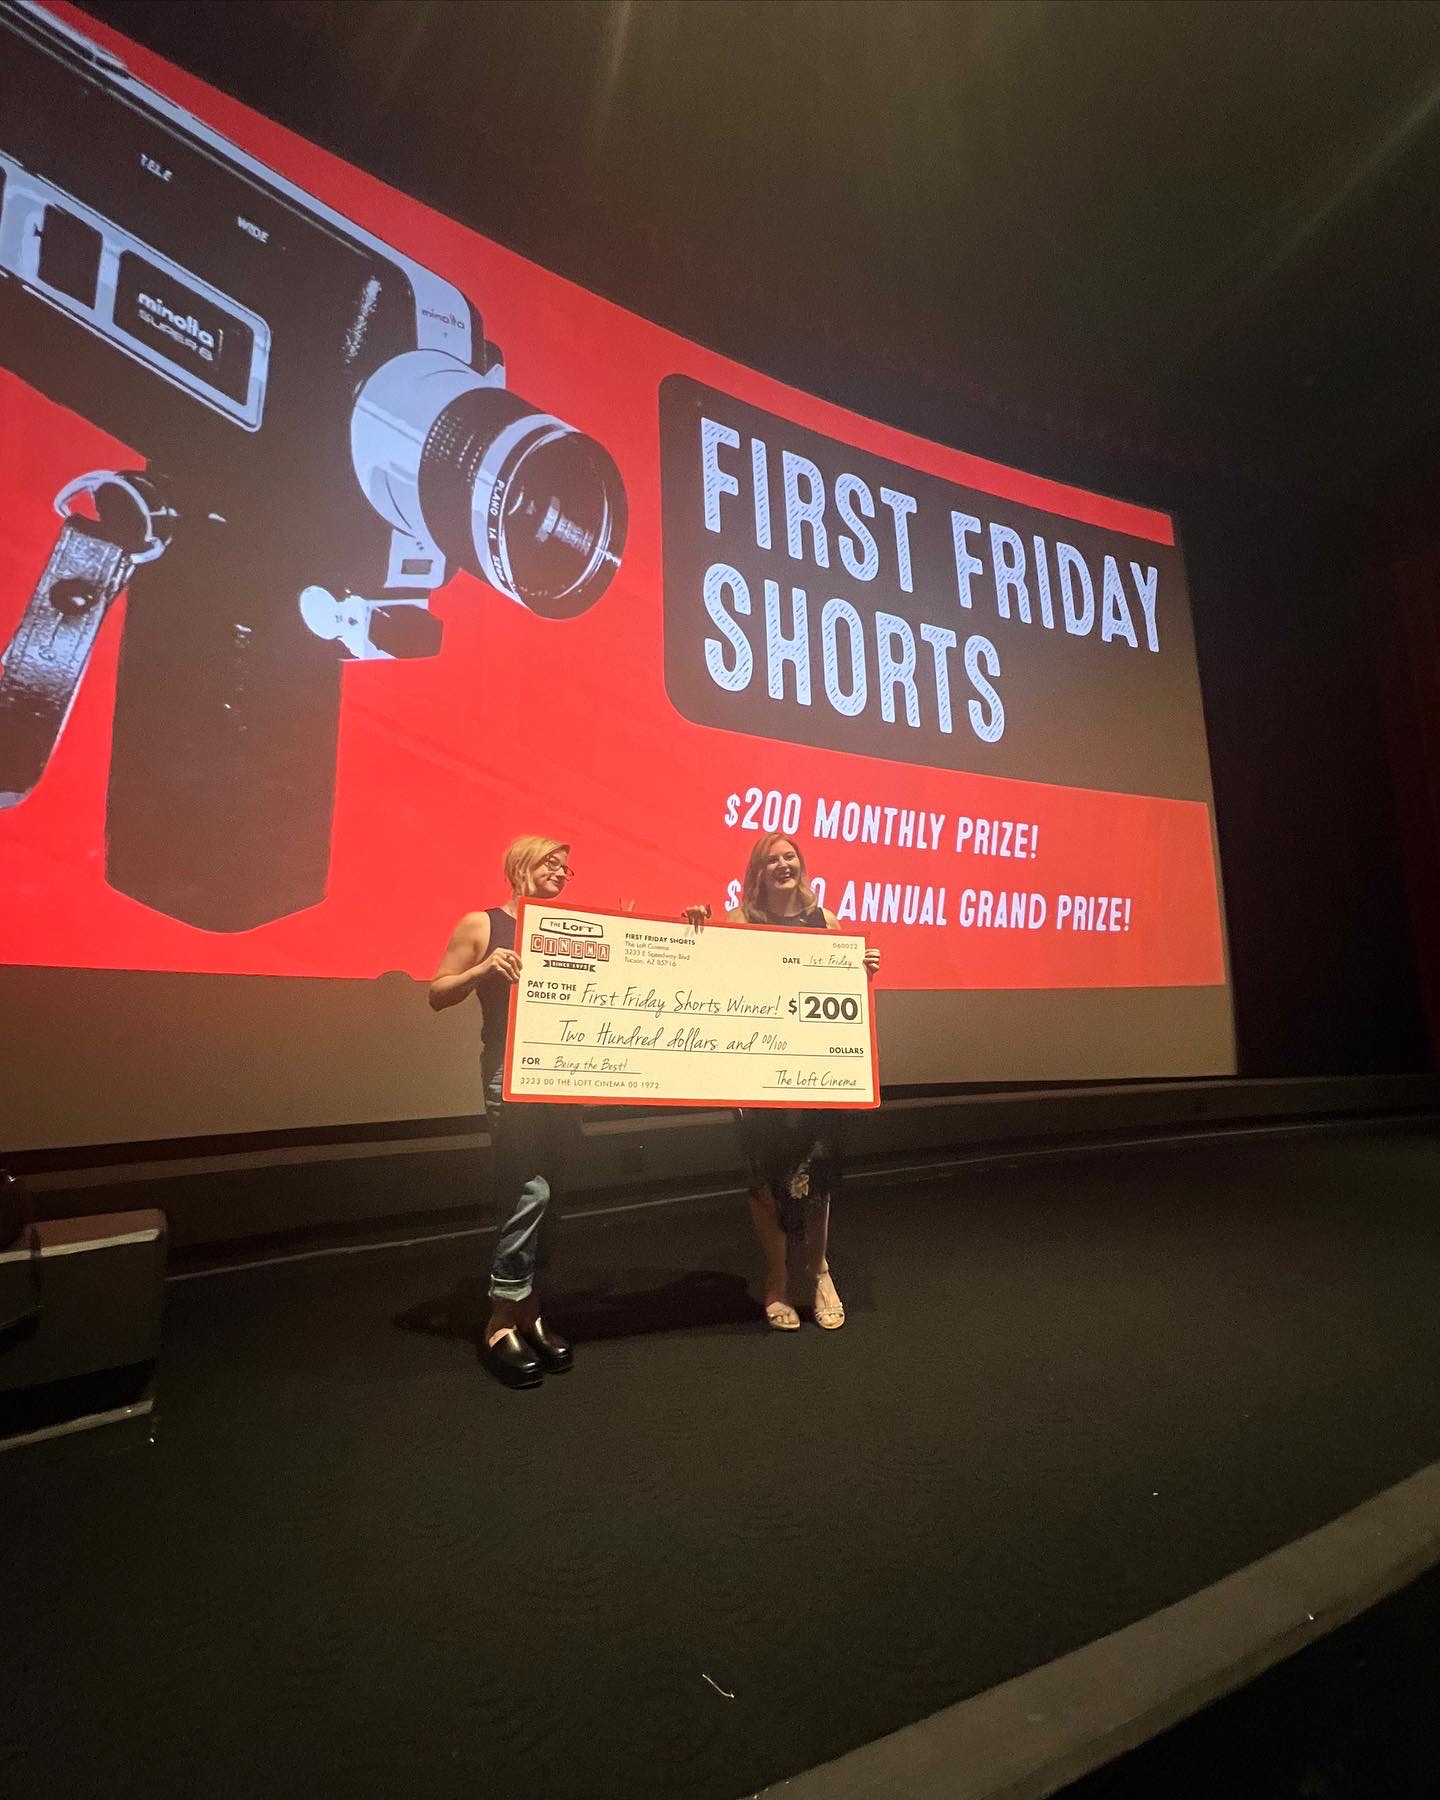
<point>794,1153</point>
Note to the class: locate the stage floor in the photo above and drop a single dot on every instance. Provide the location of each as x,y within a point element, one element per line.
<point>1353,1717</point>
<point>1072,1390</point>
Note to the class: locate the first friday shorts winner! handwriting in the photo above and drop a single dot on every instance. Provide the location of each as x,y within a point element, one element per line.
<point>610,1007</point>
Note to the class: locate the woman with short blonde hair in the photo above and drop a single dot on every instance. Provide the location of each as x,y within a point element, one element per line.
<point>533,1141</point>
<point>524,854</point>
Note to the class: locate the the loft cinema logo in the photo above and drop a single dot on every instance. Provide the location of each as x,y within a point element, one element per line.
<point>826,596</point>
<point>568,942</point>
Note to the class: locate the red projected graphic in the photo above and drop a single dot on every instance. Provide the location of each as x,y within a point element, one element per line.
<point>341,545</point>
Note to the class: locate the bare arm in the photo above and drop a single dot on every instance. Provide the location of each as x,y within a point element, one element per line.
<point>469,962</point>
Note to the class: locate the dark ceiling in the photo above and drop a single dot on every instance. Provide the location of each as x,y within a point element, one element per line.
<point>1173,234</point>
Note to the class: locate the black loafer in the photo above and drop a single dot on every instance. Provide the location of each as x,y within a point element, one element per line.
<point>511,1362</point>
<point>555,1354</point>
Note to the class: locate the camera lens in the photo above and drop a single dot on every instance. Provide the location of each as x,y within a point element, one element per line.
<point>525,501</point>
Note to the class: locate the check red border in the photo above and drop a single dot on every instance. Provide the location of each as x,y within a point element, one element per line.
<point>849,1104</point>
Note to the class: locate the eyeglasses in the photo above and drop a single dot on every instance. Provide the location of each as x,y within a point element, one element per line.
<point>556,865</point>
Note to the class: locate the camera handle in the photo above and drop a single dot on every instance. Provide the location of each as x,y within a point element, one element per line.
<point>91,562</point>
<point>227,717</point>
<point>222,769</point>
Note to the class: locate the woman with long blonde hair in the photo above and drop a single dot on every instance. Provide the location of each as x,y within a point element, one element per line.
<point>793,1156</point>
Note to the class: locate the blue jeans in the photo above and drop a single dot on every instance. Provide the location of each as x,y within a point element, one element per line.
<point>533,1143</point>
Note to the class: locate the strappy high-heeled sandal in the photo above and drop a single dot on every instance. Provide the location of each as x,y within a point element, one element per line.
<point>780,1315</point>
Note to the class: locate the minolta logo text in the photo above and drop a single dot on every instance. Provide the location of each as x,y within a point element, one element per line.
<point>183,325</point>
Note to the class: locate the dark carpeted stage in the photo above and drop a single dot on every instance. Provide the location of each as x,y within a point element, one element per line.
<point>1074,1388</point>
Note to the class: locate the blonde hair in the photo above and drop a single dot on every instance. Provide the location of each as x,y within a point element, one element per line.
<point>524,854</point>
<point>750,901</point>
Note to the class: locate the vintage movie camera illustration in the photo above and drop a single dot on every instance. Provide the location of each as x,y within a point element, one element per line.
<point>327,437</point>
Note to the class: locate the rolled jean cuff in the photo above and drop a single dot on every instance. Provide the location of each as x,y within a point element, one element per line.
<point>510,1290</point>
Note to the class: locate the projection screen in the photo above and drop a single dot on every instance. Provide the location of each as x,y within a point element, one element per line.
<point>340,546</point>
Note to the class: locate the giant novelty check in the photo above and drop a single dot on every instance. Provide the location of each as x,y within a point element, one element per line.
<point>611,1007</point>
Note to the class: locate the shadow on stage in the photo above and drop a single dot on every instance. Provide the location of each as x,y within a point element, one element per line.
<point>635,1303</point>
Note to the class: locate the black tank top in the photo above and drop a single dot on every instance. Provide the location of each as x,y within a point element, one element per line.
<point>494,997</point>
<point>814,918</point>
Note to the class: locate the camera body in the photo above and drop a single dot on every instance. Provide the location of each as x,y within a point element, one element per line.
<point>332,436</point>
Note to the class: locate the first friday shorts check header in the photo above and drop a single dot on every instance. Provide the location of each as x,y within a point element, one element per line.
<point>631,1011</point>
